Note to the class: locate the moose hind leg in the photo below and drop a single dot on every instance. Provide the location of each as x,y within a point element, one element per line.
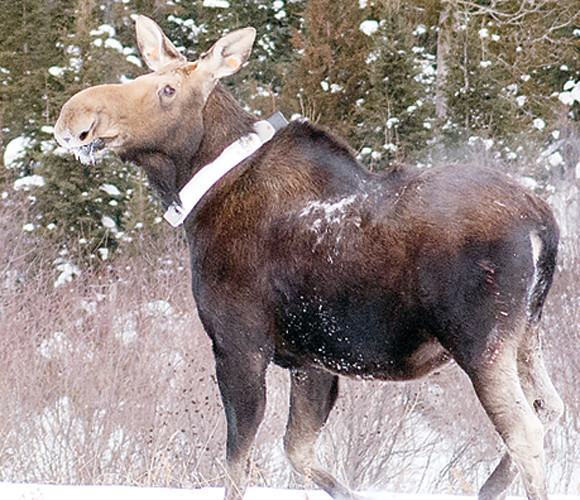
<point>243,388</point>
<point>536,383</point>
<point>502,477</point>
<point>541,396</point>
<point>312,396</point>
<point>498,387</point>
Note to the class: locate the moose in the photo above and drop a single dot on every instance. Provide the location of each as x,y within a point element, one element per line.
<point>302,257</point>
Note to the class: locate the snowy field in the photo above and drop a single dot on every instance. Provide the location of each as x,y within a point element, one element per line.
<point>52,492</point>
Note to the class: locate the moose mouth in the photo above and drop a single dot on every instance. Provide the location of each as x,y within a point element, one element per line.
<point>89,153</point>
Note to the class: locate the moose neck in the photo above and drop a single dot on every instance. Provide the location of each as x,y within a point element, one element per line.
<point>225,121</point>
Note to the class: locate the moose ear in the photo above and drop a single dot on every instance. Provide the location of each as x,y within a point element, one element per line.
<point>228,54</point>
<point>156,49</point>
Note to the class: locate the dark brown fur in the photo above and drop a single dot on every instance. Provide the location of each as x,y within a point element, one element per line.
<point>301,257</point>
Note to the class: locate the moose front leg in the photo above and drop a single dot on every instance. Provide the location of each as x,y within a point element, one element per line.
<point>242,382</point>
<point>313,394</point>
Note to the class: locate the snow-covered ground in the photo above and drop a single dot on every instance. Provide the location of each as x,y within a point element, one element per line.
<point>51,492</point>
<point>10,491</point>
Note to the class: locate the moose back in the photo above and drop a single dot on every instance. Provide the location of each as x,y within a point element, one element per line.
<point>302,258</point>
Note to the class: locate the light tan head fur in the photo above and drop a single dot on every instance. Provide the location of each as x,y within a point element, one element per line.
<point>160,111</point>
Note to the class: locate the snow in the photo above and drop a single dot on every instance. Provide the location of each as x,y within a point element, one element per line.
<point>108,222</point>
<point>126,326</point>
<point>111,189</point>
<point>521,100</point>
<point>103,253</point>
<point>16,150</point>
<point>56,71</point>
<point>216,4</point>
<point>528,182</point>
<point>53,492</point>
<point>113,43</point>
<point>75,63</point>
<point>133,59</point>
<point>420,30</point>
<point>369,26</point>
<point>187,23</point>
<point>67,273</point>
<point>555,159</point>
<point>513,88</point>
<point>571,93</point>
<point>10,491</point>
<point>104,29</point>
<point>539,123</point>
<point>28,182</point>
<point>54,347</point>
<point>332,212</point>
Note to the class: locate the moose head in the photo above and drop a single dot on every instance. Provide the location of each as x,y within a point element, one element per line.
<point>157,120</point>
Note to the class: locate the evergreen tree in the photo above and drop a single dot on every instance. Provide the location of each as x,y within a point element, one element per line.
<point>54,51</point>
<point>396,113</point>
<point>329,73</point>
<point>477,103</point>
<point>508,63</point>
<point>30,36</point>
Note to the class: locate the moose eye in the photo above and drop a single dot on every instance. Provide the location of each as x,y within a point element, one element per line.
<point>167,91</point>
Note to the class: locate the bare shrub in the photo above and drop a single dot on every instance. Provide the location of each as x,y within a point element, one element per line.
<point>108,379</point>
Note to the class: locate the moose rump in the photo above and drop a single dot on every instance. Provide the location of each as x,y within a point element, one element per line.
<point>301,257</point>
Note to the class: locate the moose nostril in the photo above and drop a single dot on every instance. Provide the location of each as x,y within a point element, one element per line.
<point>83,135</point>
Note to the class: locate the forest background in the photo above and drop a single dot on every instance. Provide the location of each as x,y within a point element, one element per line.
<point>107,376</point>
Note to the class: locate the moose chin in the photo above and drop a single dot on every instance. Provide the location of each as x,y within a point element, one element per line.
<point>301,257</point>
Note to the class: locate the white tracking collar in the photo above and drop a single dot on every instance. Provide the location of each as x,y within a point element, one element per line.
<point>211,173</point>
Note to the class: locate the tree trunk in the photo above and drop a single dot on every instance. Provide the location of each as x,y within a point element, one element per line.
<point>443,41</point>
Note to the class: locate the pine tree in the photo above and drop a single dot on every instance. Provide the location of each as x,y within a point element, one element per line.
<point>395,117</point>
<point>476,100</point>
<point>29,40</point>
<point>328,76</point>
<point>508,62</point>
<point>54,51</point>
